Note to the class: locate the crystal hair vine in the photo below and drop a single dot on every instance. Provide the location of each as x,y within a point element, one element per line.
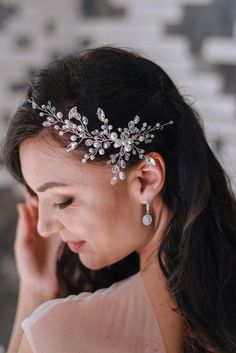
<point>127,141</point>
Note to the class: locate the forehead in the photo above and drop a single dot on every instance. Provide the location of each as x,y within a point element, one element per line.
<point>44,161</point>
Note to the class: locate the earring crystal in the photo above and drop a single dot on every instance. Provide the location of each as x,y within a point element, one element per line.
<point>147,218</point>
<point>150,160</point>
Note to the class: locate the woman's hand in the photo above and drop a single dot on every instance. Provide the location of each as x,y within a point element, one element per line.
<point>36,256</point>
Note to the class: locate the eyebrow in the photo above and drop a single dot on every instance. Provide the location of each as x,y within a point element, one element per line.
<point>51,184</point>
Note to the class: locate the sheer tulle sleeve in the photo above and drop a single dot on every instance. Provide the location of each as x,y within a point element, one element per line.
<point>111,320</point>
<point>40,313</point>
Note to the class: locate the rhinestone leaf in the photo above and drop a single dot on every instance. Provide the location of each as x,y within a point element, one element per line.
<point>113,180</point>
<point>72,113</point>
<point>78,116</point>
<point>101,114</point>
<point>85,120</point>
<point>122,164</point>
<point>136,119</point>
<point>131,124</point>
<point>122,175</point>
<point>115,169</point>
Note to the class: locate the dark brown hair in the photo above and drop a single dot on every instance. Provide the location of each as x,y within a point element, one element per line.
<point>197,253</point>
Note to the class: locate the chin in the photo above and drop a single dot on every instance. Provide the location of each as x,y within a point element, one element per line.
<point>94,265</point>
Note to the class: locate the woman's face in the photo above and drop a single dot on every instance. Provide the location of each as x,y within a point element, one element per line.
<point>108,218</point>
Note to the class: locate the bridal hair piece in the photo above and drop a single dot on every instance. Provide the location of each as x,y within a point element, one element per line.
<point>127,141</point>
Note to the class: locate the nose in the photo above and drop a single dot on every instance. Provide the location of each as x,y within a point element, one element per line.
<point>47,224</point>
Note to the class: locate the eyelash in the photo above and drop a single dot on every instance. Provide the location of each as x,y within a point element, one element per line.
<point>62,205</point>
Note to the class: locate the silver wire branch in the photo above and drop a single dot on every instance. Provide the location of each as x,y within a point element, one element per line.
<point>127,140</point>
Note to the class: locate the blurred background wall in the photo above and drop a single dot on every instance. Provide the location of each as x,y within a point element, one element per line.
<point>193,40</point>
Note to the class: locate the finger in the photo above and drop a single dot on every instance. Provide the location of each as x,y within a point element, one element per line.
<point>23,229</point>
<point>31,199</point>
<point>32,208</point>
<point>34,201</point>
<point>26,195</point>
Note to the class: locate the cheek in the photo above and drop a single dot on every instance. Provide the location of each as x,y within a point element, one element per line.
<point>111,229</point>
<point>105,222</point>
<point>86,217</point>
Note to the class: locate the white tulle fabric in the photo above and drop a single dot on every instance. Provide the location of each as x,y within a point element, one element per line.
<point>118,319</point>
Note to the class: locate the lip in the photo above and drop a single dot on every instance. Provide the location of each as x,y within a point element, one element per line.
<point>75,245</point>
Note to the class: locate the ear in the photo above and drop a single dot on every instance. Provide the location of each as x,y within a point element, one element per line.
<point>148,180</point>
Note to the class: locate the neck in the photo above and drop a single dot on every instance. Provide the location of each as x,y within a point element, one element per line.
<point>147,254</point>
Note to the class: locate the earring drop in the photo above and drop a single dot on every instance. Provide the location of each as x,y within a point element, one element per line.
<point>147,218</point>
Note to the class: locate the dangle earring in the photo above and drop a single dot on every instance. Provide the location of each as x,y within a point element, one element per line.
<point>147,218</point>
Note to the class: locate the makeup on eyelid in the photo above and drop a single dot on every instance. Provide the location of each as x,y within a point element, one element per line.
<point>64,204</point>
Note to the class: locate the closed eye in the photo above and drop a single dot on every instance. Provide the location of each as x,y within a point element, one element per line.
<point>63,204</point>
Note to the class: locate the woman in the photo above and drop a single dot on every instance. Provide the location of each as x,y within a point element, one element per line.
<point>120,164</point>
